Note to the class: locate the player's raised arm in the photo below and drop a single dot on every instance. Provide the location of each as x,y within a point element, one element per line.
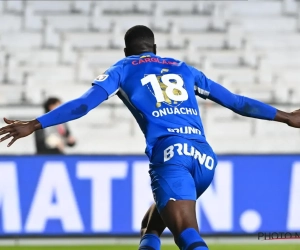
<point>66,112</point>
<point>242,105</point>
<point>104,86</point>
<point>251,108</point>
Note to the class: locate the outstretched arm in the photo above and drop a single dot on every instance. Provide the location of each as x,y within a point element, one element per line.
<point>206,88</point>
<point>104,86</point>
<point>66,112</point>
<point>240,104</point>
<point>251,108</point>
<point>74,109</point>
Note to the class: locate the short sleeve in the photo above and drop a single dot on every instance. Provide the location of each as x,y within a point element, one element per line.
<point>110,80</point>
<point>202,83</point>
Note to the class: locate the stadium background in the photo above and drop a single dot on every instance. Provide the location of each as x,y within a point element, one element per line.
<point>100,189</point>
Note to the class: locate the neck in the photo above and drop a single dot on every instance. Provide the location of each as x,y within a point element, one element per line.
<point>138,52</point>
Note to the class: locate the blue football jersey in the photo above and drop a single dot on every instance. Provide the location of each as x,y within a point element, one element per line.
<point>160,93</point>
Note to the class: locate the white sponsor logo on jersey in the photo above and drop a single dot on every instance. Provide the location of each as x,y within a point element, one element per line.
<point>185,130</point>
<point>184,149</point>
<point>101,78</point>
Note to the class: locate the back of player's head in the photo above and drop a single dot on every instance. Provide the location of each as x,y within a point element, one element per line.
<point>139,39</point>
<point>50,102</point>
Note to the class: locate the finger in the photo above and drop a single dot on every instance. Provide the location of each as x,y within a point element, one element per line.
<point>3,132</point>
<point>13,141</point>
<point>5,137</point>
<point>8,121</point>
<point>7,129</point>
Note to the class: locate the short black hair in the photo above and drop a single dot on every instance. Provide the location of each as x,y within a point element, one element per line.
<point>139,37</point>
<point>50,101</point>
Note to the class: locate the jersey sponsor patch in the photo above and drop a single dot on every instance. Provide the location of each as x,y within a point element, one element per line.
<point>101,78</point>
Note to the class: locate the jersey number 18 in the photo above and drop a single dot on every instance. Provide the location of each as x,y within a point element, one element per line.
<point>171,86</point>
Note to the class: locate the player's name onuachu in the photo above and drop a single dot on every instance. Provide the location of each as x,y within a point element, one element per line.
<point>174,111</point>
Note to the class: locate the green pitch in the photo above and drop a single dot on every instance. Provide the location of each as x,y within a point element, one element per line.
<point>120,247</point>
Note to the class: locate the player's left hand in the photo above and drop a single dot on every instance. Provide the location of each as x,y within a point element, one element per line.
<point>294,119</point>
<point>18,129</point>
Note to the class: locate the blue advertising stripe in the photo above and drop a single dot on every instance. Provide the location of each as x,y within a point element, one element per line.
<point>92,195</point>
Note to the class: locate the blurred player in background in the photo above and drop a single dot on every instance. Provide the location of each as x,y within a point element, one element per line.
<point>161,95</point>
<point>53,140</point>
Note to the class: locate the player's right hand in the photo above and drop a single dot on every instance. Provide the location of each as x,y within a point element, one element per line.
<point>294,119</point>
<point>18,129</point>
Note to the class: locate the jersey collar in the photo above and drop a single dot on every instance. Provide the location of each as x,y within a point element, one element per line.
<point>147,53</point>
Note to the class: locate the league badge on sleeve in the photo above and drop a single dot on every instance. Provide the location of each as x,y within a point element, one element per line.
<point>101,78</point>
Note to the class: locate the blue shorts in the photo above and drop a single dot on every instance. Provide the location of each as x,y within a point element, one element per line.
<point>180,169</point>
